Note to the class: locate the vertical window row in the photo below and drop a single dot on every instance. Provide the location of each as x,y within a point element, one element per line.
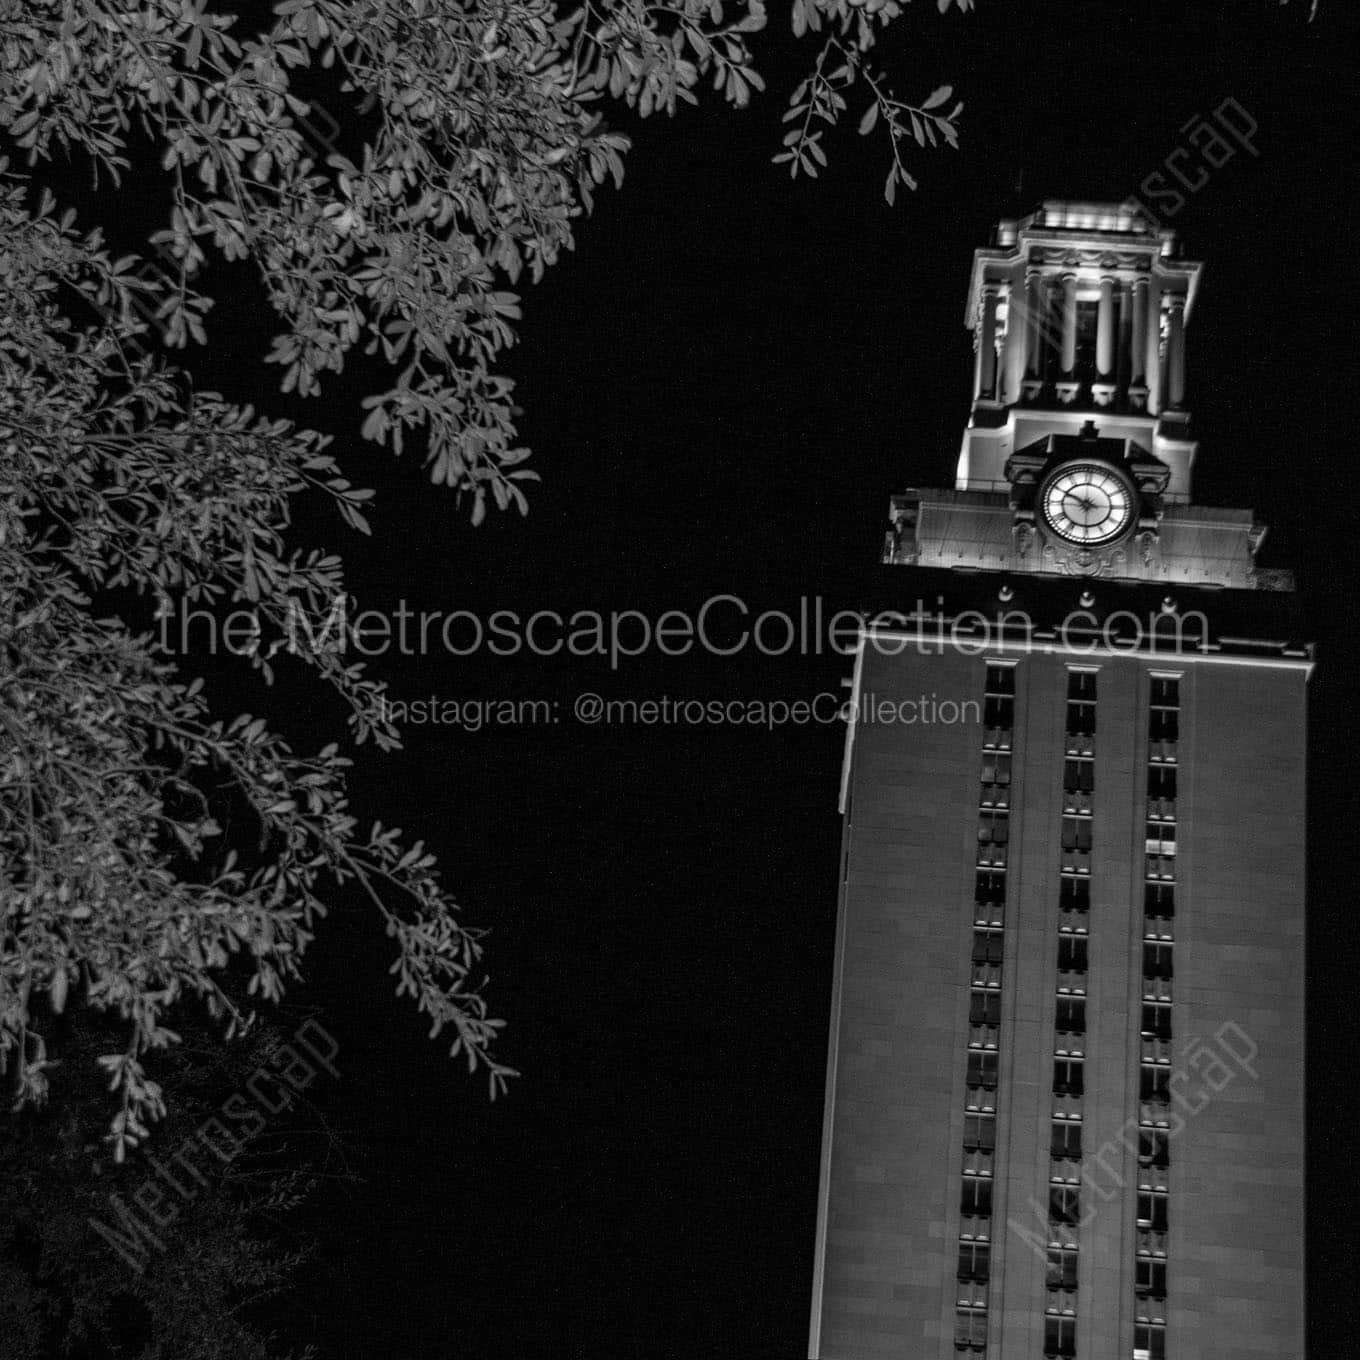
<point>984,1011</point>
<point>1154,1085</point>
<point>1069,1025</point>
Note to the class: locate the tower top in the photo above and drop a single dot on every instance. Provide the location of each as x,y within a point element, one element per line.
<point>1077,311</point>
<point>1078,452</point>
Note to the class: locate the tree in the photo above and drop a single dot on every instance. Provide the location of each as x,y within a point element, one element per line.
<point>85,1270</point>
<point>477,143</point>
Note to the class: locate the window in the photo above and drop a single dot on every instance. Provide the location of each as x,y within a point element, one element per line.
<point>1068,1076</point>
<point>1081,720</point>
<point>982,1070</point>
<point>1076,833</point>
<point>1161,838</point>
<point>987,946</point>
<point>1066,1139</point>
<point>1062,1268</point>
<point>999,711</point>
<point>1149,1341</point>
<point>1000,678</point>
<point>999,703</point>
<point>1060,1335</point>
<point>970,1329</point>
<point>989,886</point>
<point>996,767</point>
<point>994,828</point>
<point>1064,1203</point>
<point>1152,1210</point>
<point>1159,900</point>
<point>1074,893</point>
<point>1157,1020</point>
<point>977,1196</point>
<point>1157,960</point>
<point>974,1261</point>
<point>1088,320</point>
<point>1150,1280</point>
<point>1154,1084</point>
<point>984,1007</point>
<point>1154,1147</point>
<point>1081,703</point>
<point>979,1133</point>
<point>1162,782</point>
<point>1166,691</point>
<point>1071,1018</point>
<point>1078,775</point>
<point>1165,725</point>
<point>1081,685</point>
<point>1071,953</point>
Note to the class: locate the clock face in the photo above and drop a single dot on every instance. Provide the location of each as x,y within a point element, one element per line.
<point>1087,503</point>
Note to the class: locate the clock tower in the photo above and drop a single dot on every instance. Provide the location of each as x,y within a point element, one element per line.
<point>1064,1106</point>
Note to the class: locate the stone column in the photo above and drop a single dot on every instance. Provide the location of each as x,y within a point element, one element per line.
<point>1069,324</point>
<point>1175,353</point>
<point>984,387</point>
<point>1138,346</point>
<point>1034,324</point>
<point>1152,374</point>
<point>1105,331</point>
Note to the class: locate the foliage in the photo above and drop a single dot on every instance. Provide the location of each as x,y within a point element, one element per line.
<point>843,59</point>
<point>468,139</point>
<point>65,1291</point>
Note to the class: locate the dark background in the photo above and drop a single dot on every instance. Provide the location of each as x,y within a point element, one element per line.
<point>723,386</point>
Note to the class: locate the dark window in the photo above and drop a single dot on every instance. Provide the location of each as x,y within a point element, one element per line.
<point>1165,725</point>
<point>1150,1280</point>
<point>999,711</point>
<point>1154,1147</point>
<point>1068,1076</point>
<point>979,1133</point>
<point>1000,679</point>
<point>1060,1336</point>
<point>1159,900</point>
<point>1081,720</point>
<point>1150,1340</point>
<point>1088,320</point>
<point>1152,1210</point>
<point>987,946</point>
<point>1157,960</point>
<point>1157,1020</point>
<point>1081,685</point>
<point>977,1196</point>
<point>1166,691</point>
<point>994,828</point>
<point>984,1007</point>
<point>1074,893</point>
<point>1162,781</point>
<point>1076,833</point>
<point>1154,1084</point>
<point>974,1261</point>
<point>990,886</point>
<point>1062,1268</point>
<point>1078,775</point>
<point>981,1070</point>
<point>1071,1017</point>
<point>1064,1203</point>
<point>1072,953</point>
<point>1066,1139</point>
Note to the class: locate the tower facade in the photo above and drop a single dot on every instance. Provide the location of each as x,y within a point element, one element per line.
<point>1064,1110</point>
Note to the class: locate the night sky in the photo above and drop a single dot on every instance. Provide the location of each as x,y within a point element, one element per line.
<point>723,386</point>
